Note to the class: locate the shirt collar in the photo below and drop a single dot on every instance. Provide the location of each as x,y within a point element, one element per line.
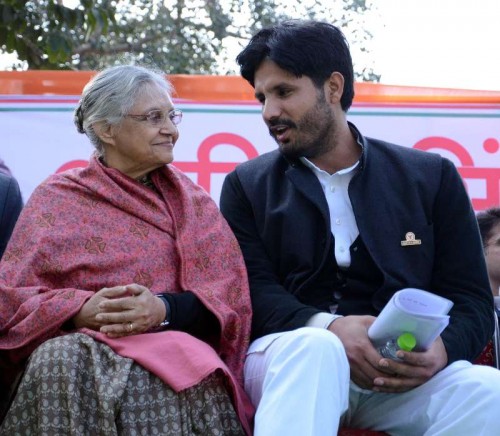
<point>318,171</point>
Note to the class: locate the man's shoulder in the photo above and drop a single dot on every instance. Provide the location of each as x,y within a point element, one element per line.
<point>261,164</point>
<point>386,156</point>
<point>381,147</point>
<point>267,158</point>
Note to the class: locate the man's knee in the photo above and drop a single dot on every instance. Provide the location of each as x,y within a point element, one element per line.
<point>483,380</point>
<point>308,360</point>
<point>309,345</point>
<point>314,340</point>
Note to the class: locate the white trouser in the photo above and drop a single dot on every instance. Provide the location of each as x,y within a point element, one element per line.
<point>299,383</point>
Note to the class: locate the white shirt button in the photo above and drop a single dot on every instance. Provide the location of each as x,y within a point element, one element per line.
<point>342,220</point>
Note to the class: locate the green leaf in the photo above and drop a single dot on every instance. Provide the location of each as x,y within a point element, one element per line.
<point>91,20</point>
<point>87,4</point>
<point>8,14</point>
<point>104,20</point>
<point>72,17</point>
<point>98,18</point>
<point>21,50</point>
<point>10,41</point>
<point>57,48</point>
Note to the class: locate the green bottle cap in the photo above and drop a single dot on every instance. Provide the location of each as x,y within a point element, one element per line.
<point>406,342</point>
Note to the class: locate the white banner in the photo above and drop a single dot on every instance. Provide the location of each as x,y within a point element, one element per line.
<point>38,138</point>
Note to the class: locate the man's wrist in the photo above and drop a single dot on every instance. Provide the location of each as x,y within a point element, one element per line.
<point>322,320</point>
<point>335,317</point>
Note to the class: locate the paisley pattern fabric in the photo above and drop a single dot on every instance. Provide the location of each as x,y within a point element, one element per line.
<point>95,227</point>
<point>111,395</point>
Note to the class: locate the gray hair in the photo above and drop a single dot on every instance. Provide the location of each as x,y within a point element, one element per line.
<point>110,95</point>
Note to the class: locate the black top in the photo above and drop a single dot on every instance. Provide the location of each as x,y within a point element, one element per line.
<point>189,315</point>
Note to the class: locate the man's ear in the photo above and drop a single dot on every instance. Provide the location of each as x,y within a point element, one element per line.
<point>106,133</point>
<point>335,87</point>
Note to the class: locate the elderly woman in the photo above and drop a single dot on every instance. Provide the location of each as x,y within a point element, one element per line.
<point>123,294</point>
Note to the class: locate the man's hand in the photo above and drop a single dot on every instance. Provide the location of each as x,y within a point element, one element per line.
<point>363,358</point>
<point>370,371</point>
<point>416,368</point>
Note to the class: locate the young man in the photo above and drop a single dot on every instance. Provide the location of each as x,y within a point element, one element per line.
<point>324,224</point>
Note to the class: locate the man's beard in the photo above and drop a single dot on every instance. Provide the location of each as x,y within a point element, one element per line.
<point>312,132</point>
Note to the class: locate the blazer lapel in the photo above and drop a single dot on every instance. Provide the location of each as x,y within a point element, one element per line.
<point>308,185</point>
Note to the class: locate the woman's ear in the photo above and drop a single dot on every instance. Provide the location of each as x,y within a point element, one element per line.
<point>335,87</point>
<point>106,133</point>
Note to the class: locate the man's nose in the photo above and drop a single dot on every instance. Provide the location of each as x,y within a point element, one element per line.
<point>271,109</point>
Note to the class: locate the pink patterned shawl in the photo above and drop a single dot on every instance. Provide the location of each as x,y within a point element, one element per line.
<point>95,227</point>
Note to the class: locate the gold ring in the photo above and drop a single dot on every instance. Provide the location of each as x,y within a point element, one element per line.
<point>130,327</point>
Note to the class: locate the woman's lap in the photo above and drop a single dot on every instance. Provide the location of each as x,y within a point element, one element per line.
<point>76,385</point>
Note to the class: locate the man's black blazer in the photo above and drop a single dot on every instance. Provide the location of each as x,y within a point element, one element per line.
<point>279,214</point>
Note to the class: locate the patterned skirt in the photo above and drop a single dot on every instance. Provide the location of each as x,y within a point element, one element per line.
<point>74,385</point>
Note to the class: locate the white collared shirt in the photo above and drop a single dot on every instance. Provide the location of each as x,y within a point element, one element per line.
<point>342,222</point>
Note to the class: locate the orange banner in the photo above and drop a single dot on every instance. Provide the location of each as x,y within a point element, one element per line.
<point>232,88</point>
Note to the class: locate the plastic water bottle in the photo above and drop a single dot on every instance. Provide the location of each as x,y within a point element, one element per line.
<point>405,342</point>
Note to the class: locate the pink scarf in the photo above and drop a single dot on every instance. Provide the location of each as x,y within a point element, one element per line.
<point>95,227</point>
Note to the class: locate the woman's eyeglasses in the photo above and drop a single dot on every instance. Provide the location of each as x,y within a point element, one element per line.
<point>157,117</point>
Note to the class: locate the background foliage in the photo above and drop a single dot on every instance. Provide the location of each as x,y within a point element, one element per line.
<point>177,36</point>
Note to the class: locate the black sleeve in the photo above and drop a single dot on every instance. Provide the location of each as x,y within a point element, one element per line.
<point>460,272</point>
<point>11,204</point>
<point>274,308</point>
<point>188,314</point>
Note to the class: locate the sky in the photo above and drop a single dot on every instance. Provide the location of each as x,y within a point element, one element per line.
<point>439,43</point>
<point>435,43</point>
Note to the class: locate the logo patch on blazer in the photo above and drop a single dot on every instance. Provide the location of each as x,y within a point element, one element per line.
<point>410,240</point>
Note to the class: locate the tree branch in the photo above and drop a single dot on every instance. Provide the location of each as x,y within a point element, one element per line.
<point>90,48</point>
